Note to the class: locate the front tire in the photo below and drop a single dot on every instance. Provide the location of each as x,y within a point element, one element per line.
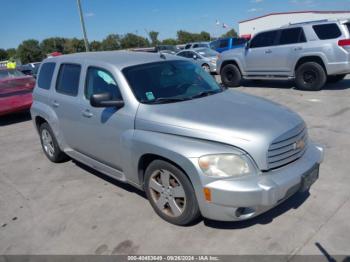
<point>231,76</point>
<point>310,76</point>
<point>206,68</point>
<point>170,193</point>
<point>49,144</point>
<point>335,78</point>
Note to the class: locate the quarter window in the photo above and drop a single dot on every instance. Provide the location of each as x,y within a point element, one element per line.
<point>45,76</point>
<point>68,79</point>
<point>100,81</point>
<point>292,36</point>
<point>264,39</point>
<point>327,31</point>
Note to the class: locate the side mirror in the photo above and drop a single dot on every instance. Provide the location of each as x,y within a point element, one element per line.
<point>247,45</point>
<point>105,100</point>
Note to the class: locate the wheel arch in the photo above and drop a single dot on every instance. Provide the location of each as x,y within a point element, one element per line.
<point>310,58</point>
<point>231,61</point>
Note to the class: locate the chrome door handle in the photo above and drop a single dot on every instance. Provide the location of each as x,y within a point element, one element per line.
<point>268,51</point>
<point>55,104</point>
<point>298,48</point>
<point>87,113</point>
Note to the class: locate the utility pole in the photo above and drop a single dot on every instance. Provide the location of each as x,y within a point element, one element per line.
<point>83,26</point>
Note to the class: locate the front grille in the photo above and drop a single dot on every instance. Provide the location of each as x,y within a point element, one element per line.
<point>288,147</point>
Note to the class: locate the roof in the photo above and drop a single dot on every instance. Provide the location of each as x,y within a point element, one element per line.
<point>296,12</point>
<point>120,59</point>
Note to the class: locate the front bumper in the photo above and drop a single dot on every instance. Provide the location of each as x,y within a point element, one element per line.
<point>247,197</point>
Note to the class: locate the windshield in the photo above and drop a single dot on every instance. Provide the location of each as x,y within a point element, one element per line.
<point>10,73</point>
<point>169,81</point>
<point>207,52</point>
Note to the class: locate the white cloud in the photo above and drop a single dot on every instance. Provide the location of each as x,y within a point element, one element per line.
<point>89,14</point>
<point>256,1</point>
<point>253,10</point>
<point>303,2</point>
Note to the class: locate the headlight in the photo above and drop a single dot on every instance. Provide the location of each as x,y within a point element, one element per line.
<point>225,165</point>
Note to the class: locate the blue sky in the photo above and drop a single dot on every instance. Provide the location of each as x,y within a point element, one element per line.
<point>39,19</point>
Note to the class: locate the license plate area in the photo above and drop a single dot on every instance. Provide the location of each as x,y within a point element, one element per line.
<point>309,178</point>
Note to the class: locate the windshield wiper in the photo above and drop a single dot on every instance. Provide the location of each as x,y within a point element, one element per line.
<point>206,93</point>
<point>161,100</point>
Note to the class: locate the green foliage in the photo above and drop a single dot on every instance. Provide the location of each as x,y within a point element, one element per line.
<point>131,41</point>
<point>95,46</point>
<point>74,45</point>
<point>153,35</point>
<point>169,41</point>
<point>111,42</point>
<point>11,53</point>
<point>230,33</point>
<point>53,44</point>
<point>29,51</point>
<point>3,54</point>
<point>184,37</point>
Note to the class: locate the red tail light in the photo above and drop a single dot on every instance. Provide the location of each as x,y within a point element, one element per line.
<point>344,42</point>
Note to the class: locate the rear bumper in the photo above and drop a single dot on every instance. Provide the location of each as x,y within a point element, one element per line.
<point>18,104</point>
<point>338,68</point>
<point>256,194</point>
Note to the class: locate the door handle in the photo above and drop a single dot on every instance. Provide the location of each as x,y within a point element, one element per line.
<point>298,48</point>
<point>55,104</point>
<point>87,113</point>
<point>268,51</point>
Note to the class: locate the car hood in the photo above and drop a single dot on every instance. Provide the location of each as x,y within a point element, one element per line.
<point>231,117</point>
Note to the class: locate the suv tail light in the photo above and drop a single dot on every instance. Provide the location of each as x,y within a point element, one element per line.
<point>344,42</point>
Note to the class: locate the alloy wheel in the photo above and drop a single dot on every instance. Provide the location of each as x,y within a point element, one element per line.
<point>48,142</point>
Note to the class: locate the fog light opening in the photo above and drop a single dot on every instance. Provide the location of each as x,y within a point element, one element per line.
<point>244,212</point>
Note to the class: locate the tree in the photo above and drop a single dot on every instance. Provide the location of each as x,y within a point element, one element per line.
<point>53,44</point>
<point>204,36</point>
<point>153,35</point>
<point>3,54</point>
<point>74,45</point>
<point>111,42</point>
<point>95,46</point>
<point>184,37</point>
<point>230,33</point>
<point>11,53</point>
<point>29,51</point>
<point>131,41</point>
<point>169,41</point>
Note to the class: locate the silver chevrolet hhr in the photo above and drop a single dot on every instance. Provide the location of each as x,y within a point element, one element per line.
<point>162,124</point>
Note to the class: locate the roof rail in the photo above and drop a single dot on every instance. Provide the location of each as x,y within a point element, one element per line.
<point>310,22</point>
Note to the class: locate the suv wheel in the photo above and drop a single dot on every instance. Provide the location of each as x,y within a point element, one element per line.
<point>231,76</point>
<point>49,144</point>
<point>310,76</point>
<point>170,193</point>
<point>335,78</point>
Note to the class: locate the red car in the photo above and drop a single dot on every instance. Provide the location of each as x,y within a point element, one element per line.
<point>15,91</point>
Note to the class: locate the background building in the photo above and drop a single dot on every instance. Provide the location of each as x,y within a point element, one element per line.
<point>275,20</point>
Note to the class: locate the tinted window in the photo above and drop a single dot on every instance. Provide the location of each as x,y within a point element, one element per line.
<point>264,39</point>
<point>327,31</point>
<point>292,36</point>
<point>224,43</point>
<point>188,46</point>
<point>68,79</point>
<point>100,81</point>
<point>240,41</point>
<point>348,25</point>
<point>183,54</point>
<point>169,79</point>
<point>45,76</point>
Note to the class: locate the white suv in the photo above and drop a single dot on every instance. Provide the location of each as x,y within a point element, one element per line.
<point>311,53</point>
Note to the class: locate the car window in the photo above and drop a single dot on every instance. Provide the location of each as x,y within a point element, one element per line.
<point>207,52</point>
<point>224,43</point>
<point>264,39</point>
<point>169,79</point>
<point>195,46</point>
<point>101,81</point>
<point>348,26</point>
<point>327,31</point>
<point>214,44</point>
<point>4,74</point>
<point>292,36</point>
<point>45,76</point>
<point>188,46</point>
<point>68,79</point>
<point>240,41</point>
<point>183,54</point>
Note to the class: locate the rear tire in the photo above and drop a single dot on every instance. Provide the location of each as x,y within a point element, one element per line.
<point>231,76</point>
<point>335,78</point>
<point>170,193</point>
<point>49,144</point>
<point>310,76</point>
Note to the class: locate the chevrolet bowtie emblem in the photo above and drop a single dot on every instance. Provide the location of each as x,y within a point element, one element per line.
<point>300,144</point>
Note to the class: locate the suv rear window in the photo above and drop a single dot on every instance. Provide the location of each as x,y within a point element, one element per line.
<point>45,76</point>
<point>68,79</point>
<point>327,31</point>
<point>292,36</point>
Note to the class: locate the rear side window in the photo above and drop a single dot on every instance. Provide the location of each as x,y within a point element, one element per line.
<point>348,26</point>
<point>45,76</point>
<point>327,31</point>
<point>292,36</point>
<point>224,43</point>
<point>264,39</point>
<point>68,79</point>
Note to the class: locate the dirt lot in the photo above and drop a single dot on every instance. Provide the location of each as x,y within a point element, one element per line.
<point>48,208</point>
